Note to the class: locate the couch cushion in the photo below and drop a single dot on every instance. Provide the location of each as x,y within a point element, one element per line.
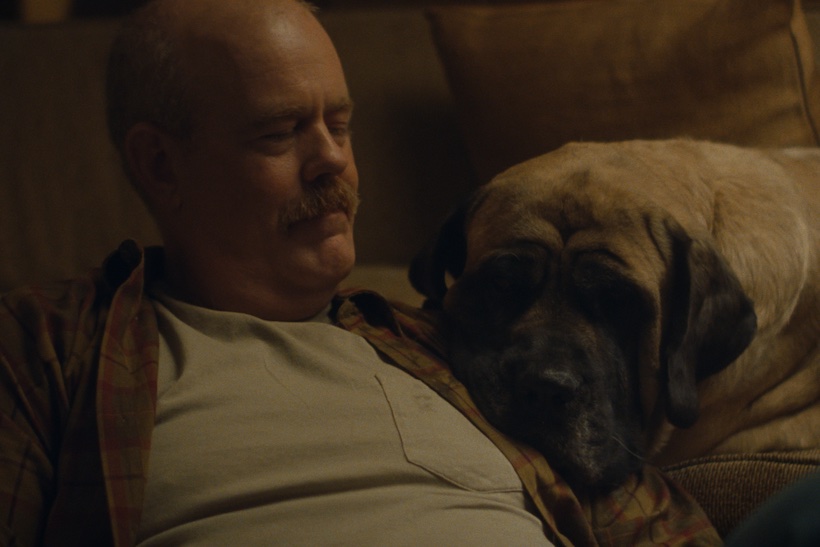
<point>731,486</point>
<point>529,78</point>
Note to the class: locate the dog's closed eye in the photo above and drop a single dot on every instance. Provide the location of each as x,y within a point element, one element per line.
<point>505,284</point>
<point>608,296</point>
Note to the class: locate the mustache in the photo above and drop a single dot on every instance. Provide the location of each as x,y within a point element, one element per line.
<point>323,196</point>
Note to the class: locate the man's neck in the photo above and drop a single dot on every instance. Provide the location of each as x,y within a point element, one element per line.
<point>222,287</point>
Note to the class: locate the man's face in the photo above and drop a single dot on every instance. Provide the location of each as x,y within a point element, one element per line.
<point>271,129</point>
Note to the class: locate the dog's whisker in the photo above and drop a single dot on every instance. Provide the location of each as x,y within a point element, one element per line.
<point>629,450</point>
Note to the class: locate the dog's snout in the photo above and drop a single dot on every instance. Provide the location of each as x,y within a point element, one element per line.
<point>549,389</point>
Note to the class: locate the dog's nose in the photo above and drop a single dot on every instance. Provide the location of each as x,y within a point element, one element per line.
<point>549,389</point>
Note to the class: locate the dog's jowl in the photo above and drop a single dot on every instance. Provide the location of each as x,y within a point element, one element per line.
<point>645,300</point>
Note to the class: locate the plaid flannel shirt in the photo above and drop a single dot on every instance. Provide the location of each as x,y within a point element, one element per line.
<point>78,373</point>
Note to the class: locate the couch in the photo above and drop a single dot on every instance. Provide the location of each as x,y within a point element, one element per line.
<point>444,99</point>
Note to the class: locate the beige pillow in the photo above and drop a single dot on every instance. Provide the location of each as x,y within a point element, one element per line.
<point>528,78</point>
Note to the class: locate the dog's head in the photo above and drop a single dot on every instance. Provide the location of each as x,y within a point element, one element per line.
<point>581,317</point>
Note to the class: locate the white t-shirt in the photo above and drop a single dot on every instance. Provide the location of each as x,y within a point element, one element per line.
<point>273,433</point>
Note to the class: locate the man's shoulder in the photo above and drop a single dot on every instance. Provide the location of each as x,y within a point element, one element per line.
<point>61,309</point>
<point>95,288</point>
<point>397,320</point>
<point>50,298</point>
<point>56,311</point>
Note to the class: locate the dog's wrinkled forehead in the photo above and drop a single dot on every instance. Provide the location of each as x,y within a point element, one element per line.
<point>575,209</point>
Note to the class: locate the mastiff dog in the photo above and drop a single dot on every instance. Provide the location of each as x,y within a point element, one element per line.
<point>613,304</point>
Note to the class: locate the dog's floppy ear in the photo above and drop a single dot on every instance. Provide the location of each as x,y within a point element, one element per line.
<point>710,323</point>
<point>445,253</point>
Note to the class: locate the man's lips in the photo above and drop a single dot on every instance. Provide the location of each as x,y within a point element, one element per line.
<point>330,222</point>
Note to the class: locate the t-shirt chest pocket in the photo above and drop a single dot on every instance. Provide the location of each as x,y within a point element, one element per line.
<point>438,438</point>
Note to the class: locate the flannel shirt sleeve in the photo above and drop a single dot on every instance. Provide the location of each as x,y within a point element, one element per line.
<point>32,403</point>
<point>44,332</point>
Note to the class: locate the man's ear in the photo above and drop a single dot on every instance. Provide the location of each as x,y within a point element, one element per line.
<point>711,322</point>
<point>149,153</point>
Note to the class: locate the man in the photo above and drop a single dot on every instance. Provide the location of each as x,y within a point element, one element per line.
<point>204,393</point>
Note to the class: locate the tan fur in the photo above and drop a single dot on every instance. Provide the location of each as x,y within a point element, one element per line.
<point>759,209</point>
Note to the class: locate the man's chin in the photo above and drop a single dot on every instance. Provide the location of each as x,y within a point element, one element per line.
<point>327,264</point>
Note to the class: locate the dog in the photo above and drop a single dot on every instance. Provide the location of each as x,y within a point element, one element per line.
<point>612,304</point>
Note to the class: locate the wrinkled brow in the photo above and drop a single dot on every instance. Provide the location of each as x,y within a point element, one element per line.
<point>279,113</point>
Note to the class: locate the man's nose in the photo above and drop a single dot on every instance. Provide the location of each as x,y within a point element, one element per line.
<point>326,153</point>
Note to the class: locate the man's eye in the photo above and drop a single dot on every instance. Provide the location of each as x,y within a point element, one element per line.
<point>340,131</point>
<point>279,136</point>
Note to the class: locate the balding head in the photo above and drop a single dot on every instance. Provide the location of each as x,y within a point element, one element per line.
<point>151,74</point>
